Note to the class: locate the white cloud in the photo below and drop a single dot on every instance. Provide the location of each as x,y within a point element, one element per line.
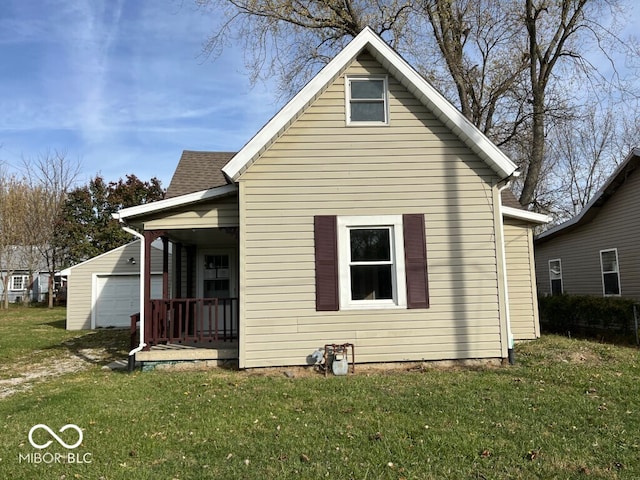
<point>120,84</point>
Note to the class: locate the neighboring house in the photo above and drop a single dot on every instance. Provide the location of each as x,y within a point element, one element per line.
<point>367,211</point>
<point>23,281</point>
<point>104,291</point>
<point>597,252</point>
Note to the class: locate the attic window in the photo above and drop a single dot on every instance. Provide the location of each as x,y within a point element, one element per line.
<point>367,101</point>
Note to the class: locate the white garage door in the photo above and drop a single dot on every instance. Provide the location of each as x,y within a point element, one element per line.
<point>119,298</point>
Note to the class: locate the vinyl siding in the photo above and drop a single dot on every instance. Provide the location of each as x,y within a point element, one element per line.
<point>523,303</point>
<point>81,280</point>
<point>222,212</point>
<point>319,166</point>
<point>616,225</point>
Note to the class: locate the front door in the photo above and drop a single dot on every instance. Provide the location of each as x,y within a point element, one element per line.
<point>218,281</point>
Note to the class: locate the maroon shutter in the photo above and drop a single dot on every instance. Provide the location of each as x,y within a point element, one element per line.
<point>415,261</point>
<point>326,245</point>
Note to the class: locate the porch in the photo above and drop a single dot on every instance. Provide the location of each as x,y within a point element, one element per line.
<point>187,329</point>
<point>195,315</point>
<point>216,351</point>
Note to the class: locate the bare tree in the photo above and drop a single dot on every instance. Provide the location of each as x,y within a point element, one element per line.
<point>582,154</point>
<point>482,48</point>
<point>13,205</point>
<point>293,39</point>
<point>513,68</point>
<point>50,175</point>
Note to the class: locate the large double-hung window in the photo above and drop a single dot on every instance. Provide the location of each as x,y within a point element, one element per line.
<point>371,261</point>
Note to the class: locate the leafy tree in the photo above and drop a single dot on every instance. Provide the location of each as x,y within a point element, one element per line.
<point>86,227</point>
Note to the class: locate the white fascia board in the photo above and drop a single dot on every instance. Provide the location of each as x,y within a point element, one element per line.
<point>443,109</point>
<point>174,202</point>
<point>411,79</point>
<point>525,215</point>
<point>292,109</point>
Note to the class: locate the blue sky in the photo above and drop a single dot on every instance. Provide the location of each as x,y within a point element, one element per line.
<point>119,85</point>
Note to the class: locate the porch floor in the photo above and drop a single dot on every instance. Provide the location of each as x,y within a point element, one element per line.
<point>186,352</point>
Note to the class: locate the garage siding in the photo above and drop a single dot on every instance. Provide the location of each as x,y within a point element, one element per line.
<point>81,280</point>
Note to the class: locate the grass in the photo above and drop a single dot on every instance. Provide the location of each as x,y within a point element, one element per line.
<point>568,409</point>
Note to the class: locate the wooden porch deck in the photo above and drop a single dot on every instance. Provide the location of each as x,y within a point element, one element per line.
<point>182,352</point>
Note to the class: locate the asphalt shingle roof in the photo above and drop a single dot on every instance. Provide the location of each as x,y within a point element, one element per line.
<point>198,171</point>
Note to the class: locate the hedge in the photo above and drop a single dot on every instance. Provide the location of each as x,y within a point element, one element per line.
<point>587,315</point>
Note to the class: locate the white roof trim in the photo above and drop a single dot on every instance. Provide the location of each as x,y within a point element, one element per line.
<point>399,68</point>
<point>525,215</point>
<point>174,202</point>
<point>67,271</point>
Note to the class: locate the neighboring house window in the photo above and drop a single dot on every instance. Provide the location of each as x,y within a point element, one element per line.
<point>18,282</point>
<point>367,101</point>
<point>555,276</point>
<point>370,262</point>
<point>610,272</point>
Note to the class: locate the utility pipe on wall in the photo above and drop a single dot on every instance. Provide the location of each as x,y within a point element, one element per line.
<point>141,343</point>
<point>503,253</point>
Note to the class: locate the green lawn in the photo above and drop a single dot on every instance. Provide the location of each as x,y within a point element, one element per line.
<point>568,409</point>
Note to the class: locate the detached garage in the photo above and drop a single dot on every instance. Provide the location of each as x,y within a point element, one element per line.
<point>104,291</point>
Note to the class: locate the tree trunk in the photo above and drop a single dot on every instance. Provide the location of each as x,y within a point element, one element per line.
<point>537,152</point>
<point>51,284</point>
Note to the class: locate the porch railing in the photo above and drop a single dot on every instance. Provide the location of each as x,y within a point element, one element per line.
<point>191,320</point>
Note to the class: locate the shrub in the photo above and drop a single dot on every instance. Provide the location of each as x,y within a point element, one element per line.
<point>588,315</point>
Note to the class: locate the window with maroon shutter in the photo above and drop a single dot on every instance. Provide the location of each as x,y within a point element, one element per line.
<point>370,262</point>
<point>326,256</point>
<point>415,263</point>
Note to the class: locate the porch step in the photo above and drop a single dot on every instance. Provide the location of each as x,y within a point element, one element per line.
<point>178,352</point>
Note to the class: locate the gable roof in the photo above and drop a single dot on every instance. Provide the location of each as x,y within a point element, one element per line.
<point>67,271</point>
<point>23,258</point>
<point>198,171</point>
<point>592,208</point>
<point>405,74</point>
<point>181,201</point>
<point>193,164</point>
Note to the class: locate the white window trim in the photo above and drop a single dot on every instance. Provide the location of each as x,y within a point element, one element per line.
<point>25,281</point>
<point>347,96</point>
<point>551,278</point>
<point>345,223</point>
<point>617,272</point>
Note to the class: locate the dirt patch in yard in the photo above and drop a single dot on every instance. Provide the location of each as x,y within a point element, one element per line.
<point>27,371</point>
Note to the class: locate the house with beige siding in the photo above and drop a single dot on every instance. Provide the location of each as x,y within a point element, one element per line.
<point>596,252</point>
<point>368,211</point>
